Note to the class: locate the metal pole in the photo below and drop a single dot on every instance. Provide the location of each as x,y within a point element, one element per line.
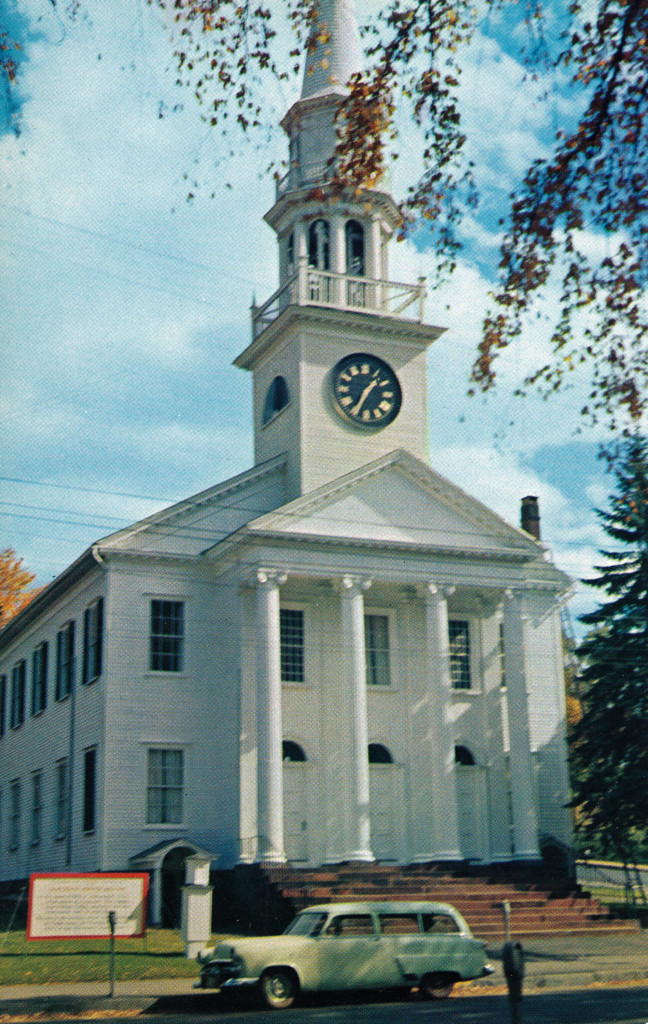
<point>513,965</point>
<point>111,925</point>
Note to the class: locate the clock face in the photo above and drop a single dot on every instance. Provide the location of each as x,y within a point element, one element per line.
<point>365,390</point>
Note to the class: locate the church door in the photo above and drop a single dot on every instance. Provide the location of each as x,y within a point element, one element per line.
<point>472,812</point>
<point>383,832</point>
<point>295,786</point>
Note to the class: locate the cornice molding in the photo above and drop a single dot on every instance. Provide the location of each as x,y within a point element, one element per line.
<point>332,317</point>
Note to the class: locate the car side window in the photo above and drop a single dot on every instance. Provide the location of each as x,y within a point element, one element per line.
<point>398,924</point>
<point>439,924</point>
<point>346,925</point>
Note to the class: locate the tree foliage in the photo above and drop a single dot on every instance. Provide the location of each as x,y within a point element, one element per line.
<point>609,743</point>
<point>579,218</point>
<point>595,183</point>
<point>15,586</point>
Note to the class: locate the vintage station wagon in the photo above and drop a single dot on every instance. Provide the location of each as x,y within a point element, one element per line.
<point>341,946</point>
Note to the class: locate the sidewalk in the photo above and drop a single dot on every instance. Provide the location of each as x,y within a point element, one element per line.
<point>556,962</point>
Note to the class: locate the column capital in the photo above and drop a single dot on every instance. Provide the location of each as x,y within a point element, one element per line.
<point>514,603</point>
<point>355,583</point>
<point>267,577</point>
<point>440,591</point>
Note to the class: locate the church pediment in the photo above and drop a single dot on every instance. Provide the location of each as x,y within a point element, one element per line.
<point>398,500</point>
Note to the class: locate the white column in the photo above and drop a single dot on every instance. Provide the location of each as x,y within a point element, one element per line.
<point>270,842</point>
<point>353,641</point>
<point>445,831</point>
<point>374,254</point>
<point>338,244</point>
<point>338,260</point>
<point>523,791</point>
<point>374,266</point>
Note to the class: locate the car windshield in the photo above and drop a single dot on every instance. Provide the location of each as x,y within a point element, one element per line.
<point>306,924</point>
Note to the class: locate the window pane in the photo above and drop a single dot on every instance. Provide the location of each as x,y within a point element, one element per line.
<point>165,786</point>
<point>291,622</point>
<point>377,649</point>
<point>459,636</point>
<point>398,924</point>
<point>93,641</point>
<point>167,636</point>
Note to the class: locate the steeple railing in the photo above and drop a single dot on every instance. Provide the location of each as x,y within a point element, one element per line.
<point>312,287</point>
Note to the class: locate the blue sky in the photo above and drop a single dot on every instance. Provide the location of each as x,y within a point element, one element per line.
<point>124,304</point>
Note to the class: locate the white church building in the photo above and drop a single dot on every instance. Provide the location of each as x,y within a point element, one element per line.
<point>336,656</point>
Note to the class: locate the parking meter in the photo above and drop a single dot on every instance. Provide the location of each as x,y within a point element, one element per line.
<point>513,964</point>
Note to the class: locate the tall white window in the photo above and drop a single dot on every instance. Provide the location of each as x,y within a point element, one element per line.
<point>39,679</point>
<point>61,808</point>
<point>37,808</point>
<point>64,660</point>
<point>93,641</point>
<point>291,626</point>
<point>377,649</point>
<point>459,636</point>
<point>166,650</point>
<point>14,814</point>
<point>165,787</point>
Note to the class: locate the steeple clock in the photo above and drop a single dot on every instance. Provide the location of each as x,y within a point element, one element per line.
<point>338,353</point>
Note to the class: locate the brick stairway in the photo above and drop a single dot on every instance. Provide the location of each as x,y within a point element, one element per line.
<point>539,905</point>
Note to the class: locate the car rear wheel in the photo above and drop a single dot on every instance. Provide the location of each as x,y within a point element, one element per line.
<point>436,985</point>
<point>278,988</point>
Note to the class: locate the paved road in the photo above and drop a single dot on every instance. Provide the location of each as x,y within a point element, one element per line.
<point>600,1006</point>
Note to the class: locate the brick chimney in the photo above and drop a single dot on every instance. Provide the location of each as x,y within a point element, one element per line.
<point>530,515</point>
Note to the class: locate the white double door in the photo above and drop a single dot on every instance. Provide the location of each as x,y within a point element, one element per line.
<point>472,813</point>
<point>296,817</point>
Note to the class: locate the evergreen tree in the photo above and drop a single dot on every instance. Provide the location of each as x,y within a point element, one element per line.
<point>609,749</point>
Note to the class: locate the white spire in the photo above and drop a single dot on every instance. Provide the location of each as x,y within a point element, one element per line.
<point>334,52</point>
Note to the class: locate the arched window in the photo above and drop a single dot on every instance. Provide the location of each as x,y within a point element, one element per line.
<point>318,245</point>
<point>290,250</point>
<point>291,751</point>
<point>355,248</point>
<point>379,754</point>
<point>277,398</point>
<point>463,756</point>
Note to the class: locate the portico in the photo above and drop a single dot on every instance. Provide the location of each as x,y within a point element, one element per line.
<point>336,713</point>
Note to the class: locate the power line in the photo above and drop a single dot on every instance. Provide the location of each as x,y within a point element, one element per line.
<point>135,246</point>
<point>85,490</point>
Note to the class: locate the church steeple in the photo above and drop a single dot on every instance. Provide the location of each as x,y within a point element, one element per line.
<point>333,53</point>
<point>338,353</point>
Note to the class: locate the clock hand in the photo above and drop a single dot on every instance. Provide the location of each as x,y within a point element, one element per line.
<point>357,407</point>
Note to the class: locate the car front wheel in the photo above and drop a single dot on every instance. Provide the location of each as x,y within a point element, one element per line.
<point>278,988</point>
<point>437,985</point>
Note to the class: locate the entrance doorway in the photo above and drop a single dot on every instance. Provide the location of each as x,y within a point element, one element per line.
<point>295,787</point>
<point>173,876</point>
<point>471,806</point>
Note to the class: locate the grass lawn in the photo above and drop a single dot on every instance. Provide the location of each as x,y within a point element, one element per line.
<point>160,954</point>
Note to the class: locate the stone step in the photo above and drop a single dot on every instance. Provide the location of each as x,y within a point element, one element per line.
<point>539,905</point>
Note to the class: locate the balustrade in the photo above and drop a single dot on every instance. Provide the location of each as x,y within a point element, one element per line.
<point>312,287</point>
